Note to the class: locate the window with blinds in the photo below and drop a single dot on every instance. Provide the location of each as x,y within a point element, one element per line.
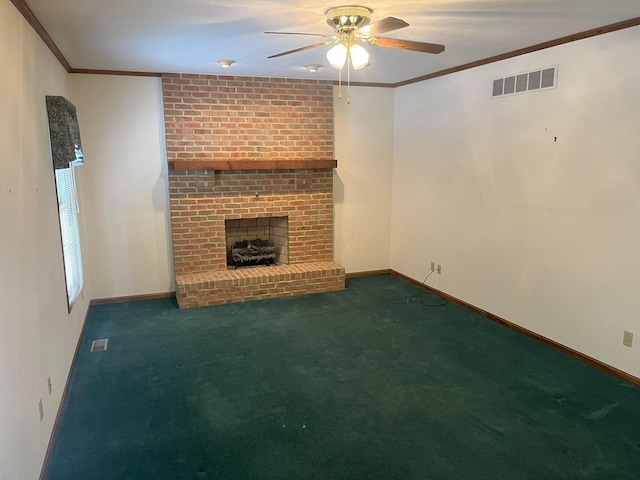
<point>68,212</point>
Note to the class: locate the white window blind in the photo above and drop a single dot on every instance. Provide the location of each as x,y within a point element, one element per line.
<point>68,211</point>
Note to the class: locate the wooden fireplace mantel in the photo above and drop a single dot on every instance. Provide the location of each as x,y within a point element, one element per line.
<point>240,164</point>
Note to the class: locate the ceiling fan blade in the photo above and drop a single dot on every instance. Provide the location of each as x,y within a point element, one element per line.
<point>301,49</point>
<point>308,34</point>
<point>407,45</point>
<point>387,24</point>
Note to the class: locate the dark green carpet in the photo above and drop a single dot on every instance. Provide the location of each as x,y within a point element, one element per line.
<point>349,385</point>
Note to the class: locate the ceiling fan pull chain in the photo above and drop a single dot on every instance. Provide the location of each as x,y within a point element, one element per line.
<point>349,79</point>
<point>340,84</point>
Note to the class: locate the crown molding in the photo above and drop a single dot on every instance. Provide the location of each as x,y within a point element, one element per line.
<point>29,16</point>
<point>365,84</point>
<point>633,22</point>
<point>91,71</point>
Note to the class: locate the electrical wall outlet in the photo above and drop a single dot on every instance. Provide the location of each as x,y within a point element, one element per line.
<point>439,268</point>
<point>627,338</point>
<point>433,266</point>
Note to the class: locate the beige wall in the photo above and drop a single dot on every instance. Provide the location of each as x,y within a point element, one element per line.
<point>543,233</point>
<point>37,334</point>
<point>124,186</point>
<point>362,181</point>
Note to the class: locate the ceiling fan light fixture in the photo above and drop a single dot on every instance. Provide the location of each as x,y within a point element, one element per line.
<point>337,55</point>
<point>314,67</point>
<point>348,17</point>
<point>225,62</point>
<point>352,27</point>
<point>359,56</point>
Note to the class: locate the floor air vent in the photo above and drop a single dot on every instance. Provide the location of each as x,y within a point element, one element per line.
<point>99,345</point>
<point>533,81</point>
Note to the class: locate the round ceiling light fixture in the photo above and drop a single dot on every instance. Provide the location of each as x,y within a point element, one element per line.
<point>314,67</point>
<point>225,62</point>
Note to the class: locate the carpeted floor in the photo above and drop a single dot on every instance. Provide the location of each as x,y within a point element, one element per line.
<point>357,384</point>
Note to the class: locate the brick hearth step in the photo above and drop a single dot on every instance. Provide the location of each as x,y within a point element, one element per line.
<point>230,286</point>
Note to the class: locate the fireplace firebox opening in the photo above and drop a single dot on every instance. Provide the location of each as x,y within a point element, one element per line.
<point>257,241</point>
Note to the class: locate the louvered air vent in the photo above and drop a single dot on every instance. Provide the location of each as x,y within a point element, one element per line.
<point>99,345</point>
<point>533,81</point>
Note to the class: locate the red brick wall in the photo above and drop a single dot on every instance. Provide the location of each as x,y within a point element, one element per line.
<point>246,117</point>
<point>202,201</point>
<point>213,117</point>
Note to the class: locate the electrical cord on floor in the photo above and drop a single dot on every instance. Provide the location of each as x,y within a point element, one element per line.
<point>443,302</point>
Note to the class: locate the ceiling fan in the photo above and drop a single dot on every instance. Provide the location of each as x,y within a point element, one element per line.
<point>353,27</point>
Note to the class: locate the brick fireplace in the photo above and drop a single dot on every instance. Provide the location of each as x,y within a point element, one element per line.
<point>242,151</point>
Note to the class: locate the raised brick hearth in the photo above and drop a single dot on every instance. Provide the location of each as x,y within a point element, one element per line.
<point>231,119</point>
<point>227,286</point>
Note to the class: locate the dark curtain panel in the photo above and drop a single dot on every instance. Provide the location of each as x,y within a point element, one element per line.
<point>64,130</point>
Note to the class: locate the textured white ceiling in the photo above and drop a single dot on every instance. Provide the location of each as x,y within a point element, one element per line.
<point>189,35</point>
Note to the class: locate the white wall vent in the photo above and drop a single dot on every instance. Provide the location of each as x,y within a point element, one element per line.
<point>533,81</point>
<point>99,345</point>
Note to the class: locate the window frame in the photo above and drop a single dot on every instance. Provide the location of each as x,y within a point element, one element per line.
<point>68,217</point>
